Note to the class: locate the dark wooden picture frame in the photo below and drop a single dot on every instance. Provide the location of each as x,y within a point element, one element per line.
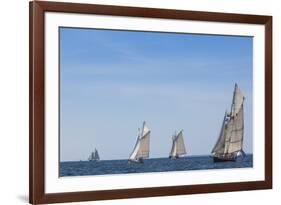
<point>37,193</point>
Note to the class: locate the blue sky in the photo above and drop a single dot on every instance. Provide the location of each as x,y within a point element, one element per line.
<point>110,81</point>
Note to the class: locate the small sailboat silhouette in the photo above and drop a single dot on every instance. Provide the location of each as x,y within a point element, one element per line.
<point>94,156</point>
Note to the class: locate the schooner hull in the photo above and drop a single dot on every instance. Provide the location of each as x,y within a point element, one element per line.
<point>224,159</point>
<point>174,157</point>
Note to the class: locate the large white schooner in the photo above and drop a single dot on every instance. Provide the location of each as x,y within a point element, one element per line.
<point>178,147</point>
<point>141,149</point>
<point>230,142</point>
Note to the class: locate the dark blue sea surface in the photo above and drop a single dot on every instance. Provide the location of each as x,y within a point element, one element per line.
<point>82,168</point>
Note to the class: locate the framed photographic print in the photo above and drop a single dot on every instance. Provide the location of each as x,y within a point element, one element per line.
<point>139,102</point>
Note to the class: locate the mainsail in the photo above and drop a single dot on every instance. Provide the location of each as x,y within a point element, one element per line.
<point>141,149</point>
<point>230,139</point>
<point>235,132</point>
<point>178,147</point>
<point>97,155</point>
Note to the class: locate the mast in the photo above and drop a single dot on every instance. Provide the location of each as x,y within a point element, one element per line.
<point>141,148</point>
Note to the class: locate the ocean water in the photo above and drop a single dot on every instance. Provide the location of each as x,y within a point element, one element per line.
<point>82,168</point>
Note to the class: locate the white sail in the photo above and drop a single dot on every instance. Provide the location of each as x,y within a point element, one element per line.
<point>220,144</point>
<point>141,149</point>
<point>237,101</point>
<point>178,147</point>
<point>173,152</point>
<point>237,131</point>
<point>230,140</point>
<point>180,144</point>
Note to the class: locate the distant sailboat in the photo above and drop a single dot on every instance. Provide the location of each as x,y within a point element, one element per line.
<point>178,147</point>
<point>141,149</point>
<point>230,141</point>
<point>94,156</point>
